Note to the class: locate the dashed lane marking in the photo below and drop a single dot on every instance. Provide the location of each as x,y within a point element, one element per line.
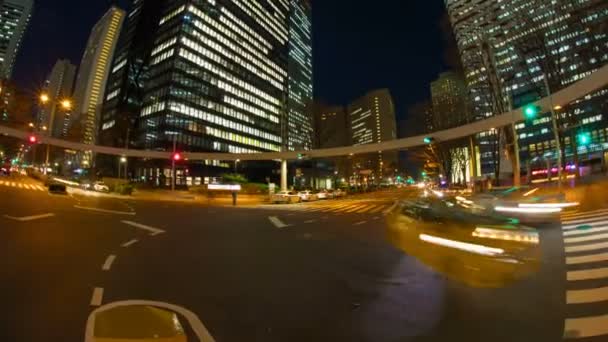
<point>107,265</point>
<point>129,243</point>
<point>97,297</point>
<point>153,231</point>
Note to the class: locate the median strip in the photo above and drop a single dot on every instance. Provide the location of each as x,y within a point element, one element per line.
<point>131,213</point>
<point>153,231</point>
<point>29,218</point>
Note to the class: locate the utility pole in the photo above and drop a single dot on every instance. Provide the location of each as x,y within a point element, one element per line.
<point>558,149</point>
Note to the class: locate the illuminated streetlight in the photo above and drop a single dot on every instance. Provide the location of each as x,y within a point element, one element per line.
<point>31,124</point>
<point>123,159</point>
<point>44,98</point>
<point>66,104</point>
<point>44,128</point>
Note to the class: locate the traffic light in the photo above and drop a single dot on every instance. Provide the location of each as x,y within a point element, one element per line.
<point>32,139</point>
<point>428,140</point>
<point>177,156</point>
<point>531,111</point>
<point>423,174</point>
<point>584,139</point>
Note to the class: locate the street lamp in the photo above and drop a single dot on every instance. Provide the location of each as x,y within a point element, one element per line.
<point>66,104</point>
<point>123,159</point>
<point>44,98</point>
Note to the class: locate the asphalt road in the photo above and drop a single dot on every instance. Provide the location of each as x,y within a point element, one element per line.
<point>256,274</point>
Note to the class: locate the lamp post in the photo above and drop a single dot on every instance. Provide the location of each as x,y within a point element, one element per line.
<point>65,104</point>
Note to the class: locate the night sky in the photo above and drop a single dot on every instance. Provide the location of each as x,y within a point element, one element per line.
<point>359,45</point>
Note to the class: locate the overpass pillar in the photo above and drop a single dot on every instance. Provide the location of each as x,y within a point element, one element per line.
<point>283,175</point>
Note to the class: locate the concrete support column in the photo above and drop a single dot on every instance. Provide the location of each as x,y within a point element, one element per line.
<point>283,175</point>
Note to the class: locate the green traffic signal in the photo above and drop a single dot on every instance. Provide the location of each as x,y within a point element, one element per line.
<point>531,111</point>
<point>428,140</point>
<point>423,174</point>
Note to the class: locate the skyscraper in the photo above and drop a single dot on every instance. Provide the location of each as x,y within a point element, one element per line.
<point>449,97</point>
<point>14,18</point>
<point>59,86</point>
<point>372,120</point>
<point>94,70</point>
<point>299,121</point>
<point>514,52</point>
<point>225,76</point>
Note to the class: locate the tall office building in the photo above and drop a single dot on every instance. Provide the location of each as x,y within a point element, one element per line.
<point>14,18</point>
<point>59,87</point>
<point>94,70</point>
<point>299,120</point>
<point>224,76</point>
<point>508,50</point>
<point>449,97</point>
<point>372,120</point>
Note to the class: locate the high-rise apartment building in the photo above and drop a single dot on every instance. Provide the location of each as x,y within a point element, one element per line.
<point>372,120</point>
<point>58,88</point>
<point>449,98</point>
<point>94,70</point>
<point>514,52</point>
<point>223,76</point>
<point>299,122</point>
<point>14,18</point>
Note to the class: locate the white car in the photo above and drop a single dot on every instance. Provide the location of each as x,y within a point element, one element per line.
<point>285,197</point>
<point>323,194</point>
<point>307,196</point>
<point>101,187</point>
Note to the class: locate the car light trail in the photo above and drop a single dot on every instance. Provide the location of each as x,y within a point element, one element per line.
<point>548,205</point>
<point>528,210</point>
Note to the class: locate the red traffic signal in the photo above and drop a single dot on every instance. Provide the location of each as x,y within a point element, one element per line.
<point>32,139</point>
<point>177,156</point>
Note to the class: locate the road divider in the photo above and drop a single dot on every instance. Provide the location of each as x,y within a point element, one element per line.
<point>153,231</point>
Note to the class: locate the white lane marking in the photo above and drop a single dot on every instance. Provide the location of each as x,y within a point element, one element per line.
<point>97,297</point>
<point>360,223</point>
<point>587,259</point>
<point>13,184</point>
<point>586,238</point>
<point>576,223</point>
<point>310,221</point>
<point>586,231</point>
<point>107,265</point>
<point>366,209</point>
<point>39,187</point>
<point>29,218</point>
<point>195,323</point>
<point>27,186</point>
<point>341,208</point>
<point>587,296</point>
<point>153,231</point>
<point>587,247</point>
<point>105,210</point>
<point>277,223</point>
<point>129,243</point>
<point>376,218</point>
<point>594,273</point>
<point>20,186</point>
<point>592,213</point>
<point>379,209</point>
<point>355,208</point>
<point>387,211</point>
<point>586,327</point>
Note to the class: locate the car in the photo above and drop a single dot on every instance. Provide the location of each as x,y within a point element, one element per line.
<point>307,196</point>
<point>285,197</point>
<point>101,187</point>
<point>323,194</point>
<point>339,193</point>
<point>57,188</point>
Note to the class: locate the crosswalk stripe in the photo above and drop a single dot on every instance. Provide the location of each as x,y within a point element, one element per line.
<point>20,185</point>
<point>341,208</point>
<point>366,209</point>
<point>586,238</point>
<point>586,231</point>
<point>587,259</point>
<point>379,209</point>
<point>575,222</point>
<point>585,214</point>
<point>597,273</point>
<point>586,327</point>
<point>13,184</point>
<point>39,187</point>
<point>586,248</point>
<point>27,186</point>
<point>355,208</point>
<point>587,296</point>
<point>585,223</point>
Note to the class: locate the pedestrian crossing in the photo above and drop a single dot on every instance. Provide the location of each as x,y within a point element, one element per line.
<point>346,207</point>
<point>21,185</point>
<point>586,252</point>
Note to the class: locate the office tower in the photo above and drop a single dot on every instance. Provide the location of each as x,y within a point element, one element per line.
<point>330,130</point>
<point>372,120</point>
<point>129,73</point>
<point>217,79</point>
<point>449,97</point>
<point>94,70</point>
<point>14,18</point>
<point>514,52</point>
<point>299,120</point>
<point>59,85</point>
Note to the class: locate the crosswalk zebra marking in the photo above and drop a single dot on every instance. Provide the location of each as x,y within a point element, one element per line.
<point>586,247</point>
<point>597,229</point>
<point>587,296</point>
<point>586,259</point>
<point>586,238</point>
<point>597,273</point>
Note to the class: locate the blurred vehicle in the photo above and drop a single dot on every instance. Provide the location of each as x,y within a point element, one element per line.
<point>4,171</point>
<point>285,197</point>
<point>338,193</point>
<point>57,188</point>
<point>307,196</point>
<point>101,187</point>
<point>478,250</point>
<point>323,194</point>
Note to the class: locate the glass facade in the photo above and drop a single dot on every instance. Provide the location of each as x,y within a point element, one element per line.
<point>517,51</point>
<point>14,18</point>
